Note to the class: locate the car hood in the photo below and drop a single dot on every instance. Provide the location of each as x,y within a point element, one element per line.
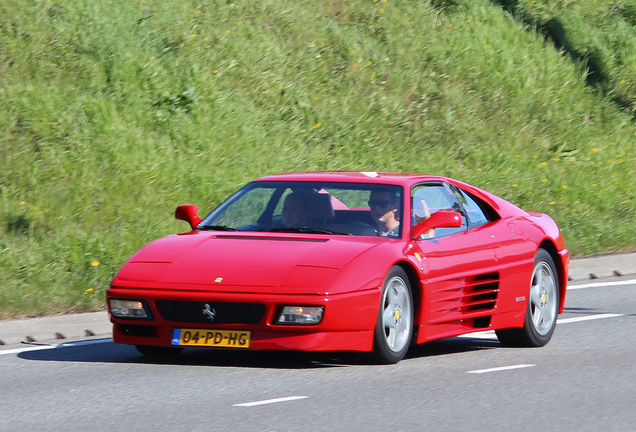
<point>242,262</point>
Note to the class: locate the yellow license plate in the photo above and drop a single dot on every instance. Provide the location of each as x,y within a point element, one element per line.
<point>211,338</point>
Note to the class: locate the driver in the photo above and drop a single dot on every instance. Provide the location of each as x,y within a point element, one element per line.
<point>295,210</point>
<point>384,209</point>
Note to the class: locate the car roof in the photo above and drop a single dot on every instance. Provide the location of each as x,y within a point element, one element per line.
<point>355,177</point>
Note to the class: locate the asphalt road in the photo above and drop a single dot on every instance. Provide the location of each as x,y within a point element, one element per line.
<point>583,380</point>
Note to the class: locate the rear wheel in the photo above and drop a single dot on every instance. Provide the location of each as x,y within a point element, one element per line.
<point>158,351</point>
<point>394,327</point>
<point>543,304</point>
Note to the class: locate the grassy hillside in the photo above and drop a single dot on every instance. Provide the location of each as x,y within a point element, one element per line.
<point>113,112</point>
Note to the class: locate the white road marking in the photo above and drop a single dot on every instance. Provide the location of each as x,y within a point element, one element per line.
<point>270,401</point>
<point>31,348</point>
<point>87,342</point>
<point>587,318</point>
<point>46,347</point>
<point>489,334</point>
<point>499,369</point>
<point>602,284</point>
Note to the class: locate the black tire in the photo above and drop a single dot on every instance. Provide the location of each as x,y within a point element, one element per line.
<point>394,327</point>
<point>158,351</point>
<point>543,307</point>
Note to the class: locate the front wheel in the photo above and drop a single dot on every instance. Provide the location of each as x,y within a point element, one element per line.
<point>394,327</point>
<point>542,310</point>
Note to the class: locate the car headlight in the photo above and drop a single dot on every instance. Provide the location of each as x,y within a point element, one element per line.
<point>128,309</point>
<point>301,315</point>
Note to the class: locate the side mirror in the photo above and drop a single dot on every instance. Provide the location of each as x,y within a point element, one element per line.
<point>439,219</point>
<point>188,213</point>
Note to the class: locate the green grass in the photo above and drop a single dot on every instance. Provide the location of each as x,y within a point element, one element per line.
<point>116,111</point>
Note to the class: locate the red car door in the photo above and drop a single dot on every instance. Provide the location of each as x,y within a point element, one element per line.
<point>460,272</point>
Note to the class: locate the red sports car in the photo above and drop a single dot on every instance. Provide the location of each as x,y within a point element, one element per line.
<point>356,261</point>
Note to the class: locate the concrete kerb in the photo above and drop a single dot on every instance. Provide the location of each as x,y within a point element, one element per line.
<point>55,328</point>
<point>59,327</point>
<point>603,266</point>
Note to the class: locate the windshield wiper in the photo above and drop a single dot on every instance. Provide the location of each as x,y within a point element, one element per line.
<point>216,228</point>
<point>305,230</point>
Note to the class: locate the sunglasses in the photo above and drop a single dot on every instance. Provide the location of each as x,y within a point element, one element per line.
<point>379,203</point>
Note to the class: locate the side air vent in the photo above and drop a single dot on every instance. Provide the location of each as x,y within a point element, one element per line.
<point>472,298</point>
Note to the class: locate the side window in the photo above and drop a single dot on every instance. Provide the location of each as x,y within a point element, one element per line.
<point>474,212</point>
<point>430,198</point>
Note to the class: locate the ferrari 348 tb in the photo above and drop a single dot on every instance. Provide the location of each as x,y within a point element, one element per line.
<point>355,261</point>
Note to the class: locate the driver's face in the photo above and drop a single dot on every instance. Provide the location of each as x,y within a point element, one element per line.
<point>382,209</point>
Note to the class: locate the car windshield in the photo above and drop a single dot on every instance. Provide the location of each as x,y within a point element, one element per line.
<point>358,209</point>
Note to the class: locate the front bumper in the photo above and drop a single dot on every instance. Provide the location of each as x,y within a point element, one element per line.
<point>348,322</point>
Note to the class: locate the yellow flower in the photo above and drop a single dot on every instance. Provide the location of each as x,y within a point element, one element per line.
<point>215,71</point>
<point>564,187</point>
<point>542,165</point>
<point>517,156</point>
<point>594,150</point>
<point>89,290</point>
<point>515,185</point>
<point>535,156</point>
<point>198,11</point>
<point>498,74</point>
<point>593,184</point>
<point>552,203</point>
<point>545,180</point>
<point>227,31</point>
<point>467,21</point>
<point>373,75</point>
<point>317,125</point>
<point>621,82</point>
<point>478,169</point>
<point>369,63</point>
<point>22,203</point>
<point>488,46</point>
<point>95,263</point>
<point>240,23</point>
<point>193,36</point>
<point>381,11</point>
<point>152,58</point>
<point>449,26</point>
